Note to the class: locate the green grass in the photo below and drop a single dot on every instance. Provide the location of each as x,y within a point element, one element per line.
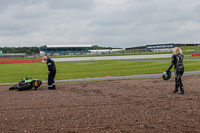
<point>74,70</point>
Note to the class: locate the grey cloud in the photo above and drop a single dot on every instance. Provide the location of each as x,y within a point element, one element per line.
<point>133,22</point>
<point>4,4</point>
<point>70,4</point>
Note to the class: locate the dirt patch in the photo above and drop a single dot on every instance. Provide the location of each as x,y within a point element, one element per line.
<point>127,106</point>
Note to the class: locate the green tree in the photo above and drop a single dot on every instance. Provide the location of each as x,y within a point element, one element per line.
<point>29,52</point>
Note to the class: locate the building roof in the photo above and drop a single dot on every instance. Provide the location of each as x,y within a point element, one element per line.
<point>69,46</point>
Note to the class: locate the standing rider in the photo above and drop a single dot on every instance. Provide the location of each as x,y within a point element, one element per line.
<point>177,61</point>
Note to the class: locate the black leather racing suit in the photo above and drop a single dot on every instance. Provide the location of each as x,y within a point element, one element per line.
<point>177,62</point>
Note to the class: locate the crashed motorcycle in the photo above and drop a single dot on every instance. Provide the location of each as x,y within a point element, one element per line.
<point>27,84</point>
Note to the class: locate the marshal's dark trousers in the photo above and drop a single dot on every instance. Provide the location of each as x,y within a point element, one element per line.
<point>51,82</point>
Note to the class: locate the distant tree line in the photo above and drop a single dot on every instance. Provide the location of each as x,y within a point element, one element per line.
<point>36,50</point>
<point>27,50</point>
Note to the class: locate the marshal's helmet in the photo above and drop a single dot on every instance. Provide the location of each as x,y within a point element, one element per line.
<point>167,75</point>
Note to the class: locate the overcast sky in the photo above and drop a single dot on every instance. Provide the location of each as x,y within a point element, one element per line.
<point>109,23</point>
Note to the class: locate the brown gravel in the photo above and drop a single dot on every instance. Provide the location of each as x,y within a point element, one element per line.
<point>126,106</point>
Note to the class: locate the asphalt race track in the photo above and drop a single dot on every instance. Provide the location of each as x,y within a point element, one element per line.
<point>113,57</point>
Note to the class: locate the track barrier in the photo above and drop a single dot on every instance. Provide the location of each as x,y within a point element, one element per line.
<point>195,54</point>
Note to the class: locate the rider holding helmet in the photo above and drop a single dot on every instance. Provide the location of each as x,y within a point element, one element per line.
<point>177,62</point>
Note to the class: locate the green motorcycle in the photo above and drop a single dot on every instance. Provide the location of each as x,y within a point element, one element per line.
<point>27,84</point>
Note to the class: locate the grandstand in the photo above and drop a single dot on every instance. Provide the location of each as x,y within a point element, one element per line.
<point>158,47</point>
<point>65,49</point>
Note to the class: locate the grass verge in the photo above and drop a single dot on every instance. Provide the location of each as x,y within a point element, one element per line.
<point>74,70</point>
